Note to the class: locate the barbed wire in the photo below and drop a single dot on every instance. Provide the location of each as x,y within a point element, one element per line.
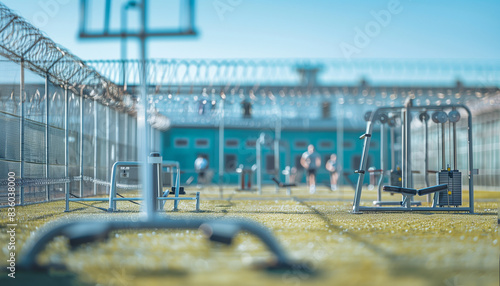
<point>279,72</point>
<point>22,42</point>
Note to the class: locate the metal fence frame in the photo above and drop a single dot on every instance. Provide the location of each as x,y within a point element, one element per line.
<point>66,80</point>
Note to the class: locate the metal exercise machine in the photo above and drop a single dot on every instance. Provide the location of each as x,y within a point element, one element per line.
<point>394,171</point>
<point>128,169</point>
<point>448,192</point>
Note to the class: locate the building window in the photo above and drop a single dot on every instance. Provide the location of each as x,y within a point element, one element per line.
<point>348,144</point>
<point>325,145</point>
<point>300,144</point>
<point>373,144</point>
<point>181,143</point>
<point>230,162</point>
<point>232,143</point>
<point>201,143</point>
<point>250,143</point>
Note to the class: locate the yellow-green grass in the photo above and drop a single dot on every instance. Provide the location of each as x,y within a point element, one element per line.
<point>344,249</point>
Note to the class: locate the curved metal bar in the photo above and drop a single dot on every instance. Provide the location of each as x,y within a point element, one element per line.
<point>89,231</point>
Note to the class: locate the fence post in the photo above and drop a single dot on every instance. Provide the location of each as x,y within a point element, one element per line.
<point>81,143</point>
<point>21,143</point>
<point>47,129</point>
<point>66,143</point>
<point>95,147</point>
<point>108,179</point>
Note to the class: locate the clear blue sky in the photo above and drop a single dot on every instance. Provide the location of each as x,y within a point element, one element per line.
<point>450,29</point>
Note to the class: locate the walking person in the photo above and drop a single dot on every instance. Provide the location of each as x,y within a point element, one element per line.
<point>331,166</point>
<point>311,161</point>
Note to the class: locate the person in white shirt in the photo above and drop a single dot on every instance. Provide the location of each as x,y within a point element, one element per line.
<point>311,160</point>
<point>331,166</point>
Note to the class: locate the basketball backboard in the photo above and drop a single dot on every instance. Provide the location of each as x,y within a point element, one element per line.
<point>127,18</point>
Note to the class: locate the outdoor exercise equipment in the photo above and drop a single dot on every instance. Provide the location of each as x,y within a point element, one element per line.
<point>445,199</point>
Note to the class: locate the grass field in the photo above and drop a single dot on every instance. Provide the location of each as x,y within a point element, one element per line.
<point>343,249</point>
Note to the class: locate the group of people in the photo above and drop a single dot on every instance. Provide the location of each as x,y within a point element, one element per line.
<point>311,161</point>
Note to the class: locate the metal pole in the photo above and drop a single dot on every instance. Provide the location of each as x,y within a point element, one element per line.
<point>81,143</point>
<point>21,147</point>
<point>221,147</point>
<point>108,160</point>
<point>47,162</point>
<point>258,150</point>
<point>382,160</point>
<point>471,162</point>
<point>177,189</point>
<point>277,150</point>
<point>66,143</point>
<point>362,167</point>
<point>142,124</point>
<point>426,157</point>
<point>403,149</point>
<point>125,152</point>
<point>393,152</point>
<point>455,165</point>
<point>404,156</point>
<point>117,135</point>
<point>340,141</point>
<point>123,50</point>
<point>95,147</point>
<point>443,150</point>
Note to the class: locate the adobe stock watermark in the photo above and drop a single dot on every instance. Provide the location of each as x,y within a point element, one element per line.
<point>371,29</point>
<point>11,226</point>
<point>224,6</point>
<point>48,10</point>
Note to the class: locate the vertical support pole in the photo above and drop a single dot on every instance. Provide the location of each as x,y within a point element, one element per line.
<point>155,162</point>
<point>471,162</point>
<point>197,201</point>
<point>455,165</point>
<point>277,139</point>
<point>382,161</point>
<point>443,147</point>
<point>362,168</point>
<point>404,179</point>
<point>426,156</point>
<point>406,158</point>
<point>258,150</point>
<point>95,147</point>
<point>108,161</point>
<point>123,43</point>
<point>177,189</point>
<point>287,180</point>
<point>81,143</point>
<point>117,135</point>
<point>221,148</point>
<point>125,152</point>
<point>21,141</point>
<point>340,141</point>
<point>392,139</point>
<point>47,162</point>
<point>66,144</point>
<point>142,123</point>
